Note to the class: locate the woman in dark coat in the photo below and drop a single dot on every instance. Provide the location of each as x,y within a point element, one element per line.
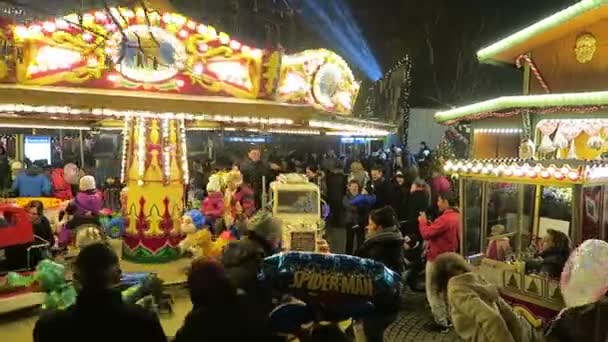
<point>419,201</point>
<point>401,196</point>
<point>216,306</point>
<point>384,244</point>
<point>555,251</point>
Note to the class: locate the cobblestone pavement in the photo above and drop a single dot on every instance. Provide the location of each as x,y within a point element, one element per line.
<point>414,314</point>
<point>409,326</point>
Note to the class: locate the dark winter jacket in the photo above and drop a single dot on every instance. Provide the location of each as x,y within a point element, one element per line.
<point>253,173</point>
<point>401,194</point>
<point>99,317</point>
<point>384,193</point>
<point>242,261</point>
<point>584,323</point>
<point>43,229</point>
<point>552,261</point>
<point>386,247</point>
<point>336,187</point>
<point>357,208</point>
<point>233,321</point>
<point>419,200</point>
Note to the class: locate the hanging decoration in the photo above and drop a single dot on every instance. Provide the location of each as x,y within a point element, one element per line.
<point>592,128</point>
<point>546,128</point>
<point>539,77</point>
<point>586,45</point>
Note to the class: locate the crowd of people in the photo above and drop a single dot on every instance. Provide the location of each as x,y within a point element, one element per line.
<point>385,207</point>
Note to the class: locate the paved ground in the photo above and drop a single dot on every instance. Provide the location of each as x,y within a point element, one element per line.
<point>414,314</point>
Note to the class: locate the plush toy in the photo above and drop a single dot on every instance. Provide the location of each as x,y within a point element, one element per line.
<point>201,244</point>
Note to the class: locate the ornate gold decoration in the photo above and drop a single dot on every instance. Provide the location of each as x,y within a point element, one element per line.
<point>586,45</point>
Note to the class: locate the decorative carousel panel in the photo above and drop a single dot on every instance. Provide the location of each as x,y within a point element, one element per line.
<point>131,49</point>
<point>7,56</point>
<point>318,77</point>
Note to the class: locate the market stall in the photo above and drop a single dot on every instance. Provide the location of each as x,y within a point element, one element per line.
<point>525,199</point>
<point>563,103</point>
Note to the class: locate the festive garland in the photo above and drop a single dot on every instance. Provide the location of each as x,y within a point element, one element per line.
<point>518,111</point>
<point>534,69</point>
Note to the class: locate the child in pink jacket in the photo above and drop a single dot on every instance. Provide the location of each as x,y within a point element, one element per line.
<point>213,204</point>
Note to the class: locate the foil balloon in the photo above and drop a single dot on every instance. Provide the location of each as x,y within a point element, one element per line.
<point>584,279</point>
<point>330,278</point>
<point>71,174</point>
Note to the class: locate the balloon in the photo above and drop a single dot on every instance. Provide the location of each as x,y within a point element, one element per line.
<point>71,174</point>
<point>584,279</point>
<point>330,278</point>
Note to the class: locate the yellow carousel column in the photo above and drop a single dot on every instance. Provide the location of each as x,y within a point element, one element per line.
<point>155,172</point>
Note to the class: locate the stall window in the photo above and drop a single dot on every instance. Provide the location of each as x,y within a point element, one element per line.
<point>508,205</point>
<point>592,206</point>
<point>555,210</point>
<point>472,214</point>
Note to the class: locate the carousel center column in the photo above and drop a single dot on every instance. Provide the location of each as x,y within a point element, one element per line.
<point>155,170</point>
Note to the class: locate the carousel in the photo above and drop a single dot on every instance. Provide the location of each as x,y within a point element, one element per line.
<point>154,75</point>
<point>537,159</point>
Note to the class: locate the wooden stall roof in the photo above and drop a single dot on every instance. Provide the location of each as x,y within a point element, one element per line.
<point>514,105</point>
<point>560,172</point>
<point>573,18</point>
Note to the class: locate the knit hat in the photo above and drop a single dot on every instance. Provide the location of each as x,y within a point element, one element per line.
<point>215,184</point>
<point>265,226</point>
<point>87,183</point>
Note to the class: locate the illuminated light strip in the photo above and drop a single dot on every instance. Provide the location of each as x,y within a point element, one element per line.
<point>166,149</point>
<point>347,127</point>
<point>184,151</point>
<point>489,53</point>
<point>356,134</point>
<point>125,145</point>
<point>15,125</point>
<point>294,131</point>
<point>514,170</point>
<point>597,172</point>
<point>524,101</point>
<point>141,150</point>
<point>498,130</point>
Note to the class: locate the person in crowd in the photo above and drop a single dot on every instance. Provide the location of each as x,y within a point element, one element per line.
<point>242,260</point>
<point>439,184</point>
<point>499,246</point>
<point>99,313</point>
<point>478,312</point>
<point>555,249</point>
<point>89,200</point>
<point>40,224</point>
<point>419,201</point>
<point>336,188</point>
<point>355,215</point>
<point>358,173</point>
<point>317,177</point>
<point>60,187</point>
<point>216,306</point>
<point>381,187</point>
<point>32,183</point>
<point>583,286</point>
<point>213,205</point>
<point>441,236</point>
<point>384,243</point>
<point>401,193</point>
<point>423,153</point>
<point>5,169</point>
<point>239,200</point>
<point>254,170</point>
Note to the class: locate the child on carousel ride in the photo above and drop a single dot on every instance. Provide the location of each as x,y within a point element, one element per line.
<point>213,204</point>
<point>239,202</point>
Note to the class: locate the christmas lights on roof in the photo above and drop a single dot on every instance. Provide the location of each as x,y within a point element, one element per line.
<point>564,171</point>
<point>493,107</point>
<point>492,52</point>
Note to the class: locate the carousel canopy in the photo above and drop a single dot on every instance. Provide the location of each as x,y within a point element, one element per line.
<point>121,62</point>
<point>573,18</point>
